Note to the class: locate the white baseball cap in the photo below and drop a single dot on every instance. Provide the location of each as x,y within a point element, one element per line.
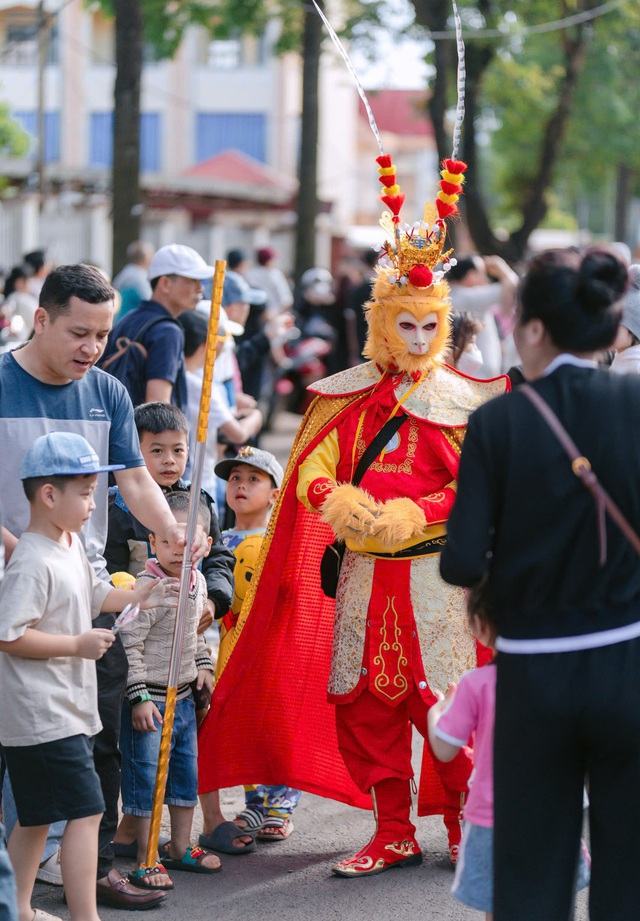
<point>176,259</point>
<point>226,326</point>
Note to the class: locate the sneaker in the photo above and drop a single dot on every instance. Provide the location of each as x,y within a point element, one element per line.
<point>50,871</point>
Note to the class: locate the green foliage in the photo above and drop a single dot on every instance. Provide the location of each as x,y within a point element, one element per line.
<point>14,141</point>
<point>520,91</point>
<point>166,20</point>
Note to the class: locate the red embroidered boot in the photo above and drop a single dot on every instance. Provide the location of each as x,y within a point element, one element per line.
<point>453,823</point>
<point>393,844</point>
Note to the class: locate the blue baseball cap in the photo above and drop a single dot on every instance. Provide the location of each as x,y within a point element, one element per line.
<point>236,288</point>
<point>62,454</point>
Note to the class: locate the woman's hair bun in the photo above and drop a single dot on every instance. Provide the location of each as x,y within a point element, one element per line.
<point>602,280</point>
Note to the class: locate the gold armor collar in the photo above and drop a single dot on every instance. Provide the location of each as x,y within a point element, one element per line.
<point>445,397</point>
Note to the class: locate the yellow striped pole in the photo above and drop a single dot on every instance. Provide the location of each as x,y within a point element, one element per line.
<point>185,575</point>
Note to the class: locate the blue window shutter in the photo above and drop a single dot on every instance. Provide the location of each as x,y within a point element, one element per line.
<point>100,139</point>
<point>29,122</point>
<point>51,137</point>
<point>218,131</point>
<point>150,153</point>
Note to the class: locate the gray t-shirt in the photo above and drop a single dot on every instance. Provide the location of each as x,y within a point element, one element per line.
<point>54,589</point>
<point>96,407</point>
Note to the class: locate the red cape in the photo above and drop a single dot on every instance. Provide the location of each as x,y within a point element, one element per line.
<point>270,721</point>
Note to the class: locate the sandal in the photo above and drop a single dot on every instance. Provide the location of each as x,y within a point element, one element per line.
<point>222,838</point>
<point>141,875</point>
<point>191,862</point>
<point>254,818</point>
<point>280,826</point>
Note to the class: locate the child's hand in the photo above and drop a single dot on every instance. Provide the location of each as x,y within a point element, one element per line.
<point>144,717</point>
<point>155,593</point>
<point>94,643</point>
<point>205,680</point>
<point>200,544</point>
<point>442,702</point>
<point>207,617</point>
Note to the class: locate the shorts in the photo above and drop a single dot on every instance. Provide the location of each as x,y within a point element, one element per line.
<point>54,781</point>
<point>473,882</point>
<point>140,751</point>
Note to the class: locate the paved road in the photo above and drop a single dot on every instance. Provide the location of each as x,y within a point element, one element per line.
<point>291,881</point>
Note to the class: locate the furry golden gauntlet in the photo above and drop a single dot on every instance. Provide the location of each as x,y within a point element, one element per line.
<point>399,520</point>
<point>351,512</point>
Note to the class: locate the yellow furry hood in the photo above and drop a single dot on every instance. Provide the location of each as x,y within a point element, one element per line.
<point>384,344</point>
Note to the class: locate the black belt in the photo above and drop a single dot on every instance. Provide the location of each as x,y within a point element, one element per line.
<point>433,545</point>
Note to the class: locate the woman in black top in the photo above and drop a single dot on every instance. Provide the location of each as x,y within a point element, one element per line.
<point>568,690</point>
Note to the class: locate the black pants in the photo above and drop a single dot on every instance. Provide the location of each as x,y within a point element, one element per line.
<point>560,719</point>
<point>112,678</point>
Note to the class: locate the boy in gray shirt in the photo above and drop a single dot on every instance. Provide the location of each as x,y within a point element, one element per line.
<point>47,674</point>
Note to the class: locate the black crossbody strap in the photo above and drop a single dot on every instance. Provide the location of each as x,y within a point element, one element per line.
<point>383,438</point>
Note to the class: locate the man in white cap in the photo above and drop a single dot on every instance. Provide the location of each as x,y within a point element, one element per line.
<point>176,274</point>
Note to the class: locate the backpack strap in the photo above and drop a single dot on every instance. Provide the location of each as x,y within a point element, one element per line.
<point>123,342</point>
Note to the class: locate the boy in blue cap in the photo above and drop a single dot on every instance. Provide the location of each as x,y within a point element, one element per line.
<point>47,678</point>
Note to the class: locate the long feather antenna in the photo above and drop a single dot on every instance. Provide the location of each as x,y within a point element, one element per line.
<point>461,81</point>
<point>336,41</point>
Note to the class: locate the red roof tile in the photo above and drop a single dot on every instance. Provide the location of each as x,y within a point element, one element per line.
<point>401,112</point>
<point>237,168</point>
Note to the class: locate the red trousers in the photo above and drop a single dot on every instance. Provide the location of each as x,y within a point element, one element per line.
<point>375,743</point>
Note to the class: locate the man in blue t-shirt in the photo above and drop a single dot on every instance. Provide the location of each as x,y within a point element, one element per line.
<point>48,385</point>
<point>176,273</point>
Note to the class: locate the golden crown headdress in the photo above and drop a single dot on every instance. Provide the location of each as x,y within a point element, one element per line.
<point>412,252</point>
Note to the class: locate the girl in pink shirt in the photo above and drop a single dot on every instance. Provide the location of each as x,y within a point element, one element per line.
<point>468,709</point>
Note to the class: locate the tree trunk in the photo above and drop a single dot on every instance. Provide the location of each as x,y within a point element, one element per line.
<point>434,14</point>
<point>305,247</point>
<point>623,176</point>
<point>126,128</point>
<point>535,206</point>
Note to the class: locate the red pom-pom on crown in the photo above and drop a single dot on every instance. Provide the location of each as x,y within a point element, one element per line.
<point>455,166</point>
<point>394,203</point>
<point>420,276</point>
<point>445,209</point>
<point>450,188</point>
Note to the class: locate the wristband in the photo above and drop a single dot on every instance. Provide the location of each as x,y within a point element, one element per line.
<point>140,699</point>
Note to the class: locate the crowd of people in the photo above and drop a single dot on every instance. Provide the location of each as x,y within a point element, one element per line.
<point>475,584</point>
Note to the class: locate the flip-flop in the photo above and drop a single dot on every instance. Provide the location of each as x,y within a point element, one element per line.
<point>131,850</point>
<point>281,825</point>
<point>254,819</point>
<point>190,862</point>
<point>40,915</point>
<point>221,839</point>
<point>138,877</point>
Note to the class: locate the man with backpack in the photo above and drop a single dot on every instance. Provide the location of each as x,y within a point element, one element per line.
<point>146,347</point>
